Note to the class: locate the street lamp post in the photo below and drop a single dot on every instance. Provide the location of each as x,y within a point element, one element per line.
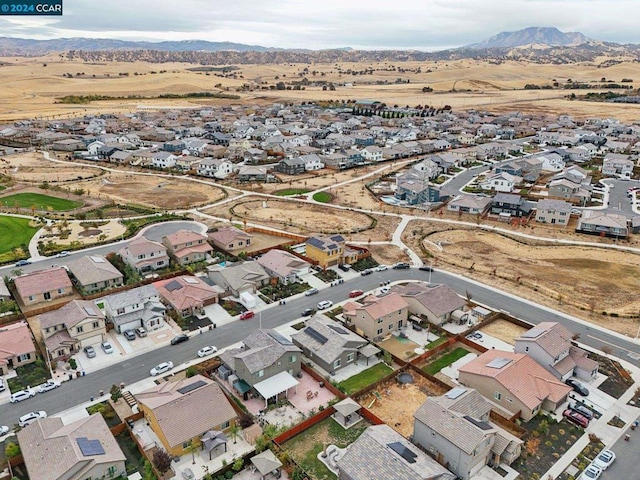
<point>430,271</point>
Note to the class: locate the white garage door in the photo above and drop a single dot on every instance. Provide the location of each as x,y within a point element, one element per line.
<point>91,341</point>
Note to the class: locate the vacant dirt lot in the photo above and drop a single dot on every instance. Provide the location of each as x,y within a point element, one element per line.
<point>504,330</point>
<point>388,254</point>
<point>31,167</point>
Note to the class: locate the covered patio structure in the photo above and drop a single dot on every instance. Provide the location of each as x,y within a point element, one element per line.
<point>272,387</point>
<point>368,351</point>
<point>347,413</point>
<point>266,463</point>
<point>213,439</point>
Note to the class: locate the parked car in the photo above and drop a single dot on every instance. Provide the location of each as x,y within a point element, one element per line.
<point>384,290</point>
<point>576,418</point>
<point>311,291</point>
<point>183,337</point>
<point>187,474</point>
<point>380,268</point>
<point>605,459</point>
<point>324,304</point>
<point>581,409</point>
<point>345,267</point>
<point>247,315</point>
<point>48,385</point>
<point>89,351</point>
<point>31,417</point>
<point>3,430</point>
<point>161,368</point>
<point>307,312</point>
<point>129,335</point>
<point>141,332</point>
<point>21,395</point>
<point>426,268</point>
<point>591,473</point>
<point>401,266</point>
<point>204,351</point>
<point>416,326</point>
<point>22,263</point>
<point>107,347</point>
<point>577,387</point>
<point>355,293</point>
<point>366,272</point>
<point>64,253</point>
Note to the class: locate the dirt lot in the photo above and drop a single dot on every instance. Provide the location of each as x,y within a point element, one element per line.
<point>398,403</point>
<point>400,347</point>
<point>388,254</point>
<point>31,167</point>
<point>503,330</point>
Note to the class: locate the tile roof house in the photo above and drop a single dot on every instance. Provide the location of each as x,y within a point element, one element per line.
<point>283,265</point>
<point>376,317</point>
<point>133,308</point>
<point>554,212</point>
<point>382,453</point>
<point>94,273</point>
<point>473,204</point>
<point>230,239</point>
<point>603,223</point>
<point>181,413</point>
<point>187,246</point>
<point>16,346</point>
<point>72,327</point>
<point>515,382</point>
<point>145,255</point>
<point>187,295</point>
<point>43,286</point>
<point>436,302</point>
<point>79,450</point>
<point>551,345</point>
<point>239,277</point>
<point>329,250</point>
<point>456,429</point>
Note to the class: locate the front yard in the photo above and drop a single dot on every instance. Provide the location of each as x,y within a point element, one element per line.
<point>29,375</point>
<point>618,380</point>
<point>364,378</point>
<point>280,291</point>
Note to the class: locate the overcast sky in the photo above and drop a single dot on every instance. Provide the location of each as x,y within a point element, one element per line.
<point>370,24</point>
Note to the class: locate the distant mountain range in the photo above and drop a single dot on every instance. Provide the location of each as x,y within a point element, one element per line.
<point>549,36</point>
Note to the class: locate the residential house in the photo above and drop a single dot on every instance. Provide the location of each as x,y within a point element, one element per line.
<point>551,345</point>
<point>382,453</point>
<point>230,239</point>
<point>515,382</point>
<point>473,204</point>
<point>266,363</point>
<point>500,182</point>
<point>456,429</point>
<point>614,166</point>
<point>554,212</point>
<point>43,286</point>
<point>330,250</point>
<point>413,185</point>
<point>94,273</point>
<point>163,159</point>
<point>5,294</point>
<point>599,222</point>
<point>284,266</point>
<point>330,345</point>
<point>512,168</point>
<point>436,302</point>
<point>376,317</point>
<point>133,308</point>
<point>564,188</point>
<point>67,145</point>
<point>181,413</point>
<point>145,255</point>
<point>239,277</point>
<point>72,327</point>
<point>187,163</point>
<point>187,246</point>
<point>80,450</point>
<point>214,168</point>
<point>249,173</point>
<point>372,153</point>
<point>552,162</point>
<point>16,346</point>
<point>187,295</point>
<point>509,205</point>
<point>312,161</point>
<point>290,166</point>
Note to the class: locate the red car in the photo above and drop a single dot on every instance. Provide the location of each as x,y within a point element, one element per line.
<point>247,315</point>
<point>576,418</point>
<point>355,293</point>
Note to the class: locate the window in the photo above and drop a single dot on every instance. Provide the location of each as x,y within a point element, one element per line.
<point>379,320</point>
<point>31,298</point>
<point>111,471</point>
<point>46,330</point>
<point>61,290</point>
<point>120,311</point>
<point>350,358</point>
<point>79,329</point>
<point>510,400</point>
<point>224,425</point>
<point>96,325</point>
<point>293,358</point>
<point>526,349</point>
<point>186,444</point>
<point>24,357</point>
<point>337,363</point>
<point>379,331</point>
<point>391,326</point>
<point>497,395</point>
<point>260,374</point>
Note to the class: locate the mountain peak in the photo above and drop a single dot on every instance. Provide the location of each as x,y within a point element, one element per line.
<point>550,36</point>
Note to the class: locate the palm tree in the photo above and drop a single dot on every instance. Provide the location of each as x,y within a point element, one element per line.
<point>234,430</point>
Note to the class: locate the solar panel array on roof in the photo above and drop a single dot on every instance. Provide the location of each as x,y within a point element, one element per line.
<point>478,423</point>
<point>192,386</point>
<point>340,330</point>
<point>403,451</point>
<point>533,333</point>
<point>281,339</point>
<point>90,311</point>
<point>317,336</point>
<point>173,285</point>
<point>455,392</point>
<point>316,242</point>
<point>499,362</point>
<point>90,448</point>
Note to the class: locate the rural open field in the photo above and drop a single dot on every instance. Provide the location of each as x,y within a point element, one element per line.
<point>32,167</point>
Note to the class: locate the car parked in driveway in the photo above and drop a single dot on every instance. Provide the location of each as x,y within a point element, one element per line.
<point>247,315</point>
<point>2,387</point>
<point>311,291</point>
<point>591,473</point>
<point>31,417</point>
<point>161,368</point>
<point>48,385</point>
<point>89,351</point>
<point>183,337</point>
<point>107,347</point>
<point>581,409</point>
<point>21,395</point>
<point>577,387</point>
<point>345,267</point>
<point>324,304</point>
<point>141,332</point>
<point>576,418</point>
<point>205,351</point>
<point>187,474</point>
<point>129,335</point>
<point>604,459</point>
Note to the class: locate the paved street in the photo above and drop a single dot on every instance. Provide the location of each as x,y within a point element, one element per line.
<point>625,467</point>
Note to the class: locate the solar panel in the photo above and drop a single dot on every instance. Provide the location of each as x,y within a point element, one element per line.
<point>192,386</point>
<point>455,393</point>
<point>90,311</point>
<point>191,280</point>
<point>533,333</point>
<point>403,451</point>
<point>478,423</point>
<point>173,285</point>
<point>340,330</point>
<point>499,362</point>
<point>317,336</point>
<point>90,448</point>
<point>281,339</point>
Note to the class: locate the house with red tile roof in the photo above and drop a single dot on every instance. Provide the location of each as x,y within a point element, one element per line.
<point>188,295</point>
<point>515,382</point>
<point>436,302</point>
<point>376,317</point>
<point>231,239</point>
<point>43,286</point>
<point>187,246</point>
<point>145,255</point>
<point>16,346</point>
<point>283,265</point>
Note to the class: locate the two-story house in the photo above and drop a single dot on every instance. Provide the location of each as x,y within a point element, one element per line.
<point>133,308</point>
<point>471,204</point>
<point>376,317</point>
<point>145,255</point>
<point>72,327</point>
<point>43,286</point>
<point>436,302</point>
<point>214,168</point>
<point>230,239</point>
<point>554,212</point>
<point>187,246</point>
<point>330,250</point>
<point>94,273</point>
<point>16,346</point>
<point>500,182</point>
<point>290,166</point>
<point>510,205</point>
<point>614,166</point>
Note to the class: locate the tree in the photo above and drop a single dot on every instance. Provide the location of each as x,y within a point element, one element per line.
<point>12,450</point>
<point>116,394</point>
<point>237,465</point>
<point>192,448</point>
<point>162,460</point>
<point>233,431</point>
<point>191,371</point>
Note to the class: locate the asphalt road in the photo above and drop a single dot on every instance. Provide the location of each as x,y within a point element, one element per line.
<point>136,368</point>
<point>625,466</point>
<point>618,200</point>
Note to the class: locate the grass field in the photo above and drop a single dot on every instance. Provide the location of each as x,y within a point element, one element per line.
<point>40,202</point>
<point>322,197</point>
<point>365,378</point>
<point>14,232</point>
<point>445,360</point>
<point>287,192</point>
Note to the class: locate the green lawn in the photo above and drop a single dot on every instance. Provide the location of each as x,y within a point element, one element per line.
<point>365,378</point>
<point>445,360</point>
<point>40,202</point>
<point>14,232</point>
<point>437,342</point>
<point>323,197</point>
<point>291,191</point>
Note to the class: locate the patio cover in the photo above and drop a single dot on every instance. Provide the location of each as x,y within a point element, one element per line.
<point>241,386</point>
<point>347,407</point>
<point>266,462</point>
<point>279,383</point>
<point>369,350</point>
<point>212,439</point>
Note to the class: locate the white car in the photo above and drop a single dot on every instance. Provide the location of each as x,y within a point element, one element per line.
<point>604,459</point>
<point>380,268</point>
<point>591,473</point>
<point>64,253</point>
<point>161,368</point>
<point>3,430</point>
<point>21,395</point>
<point>48,385</point>
<point>31,417</point>
<point>384,290</point>
<point>203,352</point>
<point>324,304</point>
<point>107,347</point>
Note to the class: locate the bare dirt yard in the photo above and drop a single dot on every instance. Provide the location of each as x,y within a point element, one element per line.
<point>32,167</point>
<point>504,330</point>
<point>388,254</point>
